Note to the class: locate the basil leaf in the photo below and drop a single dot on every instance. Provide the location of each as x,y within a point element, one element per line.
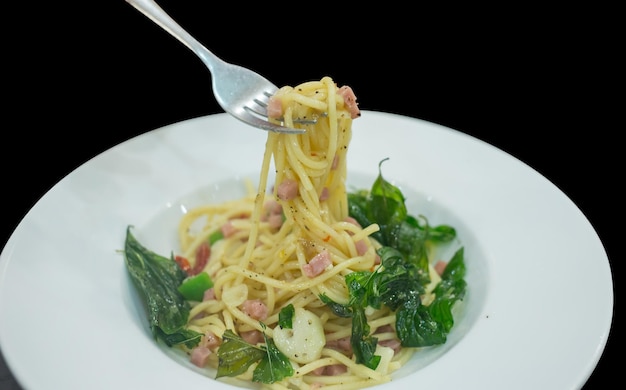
<point>285,316</point>
<point>344,311</point>
<point>235,355</point>
<point>387,207</point>
<point>450,290</point>
<point>156,279</point>
<point>274,366</point>
<point>416,328</point>
<point>363,344</point>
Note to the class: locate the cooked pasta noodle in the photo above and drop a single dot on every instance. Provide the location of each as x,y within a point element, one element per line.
<point>289,241</point>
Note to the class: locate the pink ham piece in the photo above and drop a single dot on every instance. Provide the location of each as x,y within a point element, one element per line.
<point>252,337</point>
<point>333,369</point>
<point>349,99</point>
<point>274,108</point>
<point>287,190</point>
<point>209,295</point>
<point>200,355</point>
<point>393,344</point>
<point>342,345</point>
<point>361,247</point>
<point>228,229</point>
<point>255,308</point>
<point>273,214</point>
<point>325,194</point>
<point>390,343</point>
<point>352,221</point>
<point>440,266</point>
<point>317,264</point>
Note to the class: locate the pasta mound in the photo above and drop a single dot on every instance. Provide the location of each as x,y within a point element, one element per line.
<point>288,242</point>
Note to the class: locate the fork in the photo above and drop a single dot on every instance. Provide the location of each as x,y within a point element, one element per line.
<point>240,91</point>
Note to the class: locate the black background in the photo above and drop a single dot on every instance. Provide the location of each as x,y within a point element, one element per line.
<point>533,82</point>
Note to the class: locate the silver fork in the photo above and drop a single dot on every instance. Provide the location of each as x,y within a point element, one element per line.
<point>241,92</point>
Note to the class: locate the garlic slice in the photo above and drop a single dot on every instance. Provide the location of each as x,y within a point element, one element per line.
<point>304,342</point>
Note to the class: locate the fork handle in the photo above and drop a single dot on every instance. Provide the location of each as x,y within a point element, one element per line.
<point>154,12</point>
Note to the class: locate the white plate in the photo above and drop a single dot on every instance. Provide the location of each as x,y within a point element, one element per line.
<point>537,313</point>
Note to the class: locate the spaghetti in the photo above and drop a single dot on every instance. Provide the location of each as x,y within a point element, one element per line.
<point>288,244</point>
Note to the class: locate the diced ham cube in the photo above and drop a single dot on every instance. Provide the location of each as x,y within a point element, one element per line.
<point>317,264</point>
<point>287,190</point>
<point>361,247</point>
<point>228,229</point>
<point>252,337</point>
<point>331,370</point>
<point>209,294</point>
<point>275,221</point>
<point>391,343</point>
<point>274,108</point>
<point>440,266</point>
<point>349,99</point>
<point>352,221</point>
<point>211,341</point>
<point>325,194</point>
<point>200,355</point>
<point>342,345</point>
<point>255,308</point>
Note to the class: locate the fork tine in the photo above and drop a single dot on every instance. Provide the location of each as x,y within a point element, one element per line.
<point>261,101</point>
<point>262,112</point>
<point>252,119</point>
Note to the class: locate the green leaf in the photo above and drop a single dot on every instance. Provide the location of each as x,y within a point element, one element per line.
<point>274,366</point>
<point>450,290</point>
<point>156,279</point>
<point>285,316</point>
<point>344,311</point>
<point>442,233</point>
<point>235,355</point>
<point>423,326</point>
<point>387,207</point>
<point>363,344</point>
<point>416,328</point>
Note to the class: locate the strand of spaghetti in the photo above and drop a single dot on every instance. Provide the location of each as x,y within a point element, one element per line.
<point>348,383</point>
<point>258,201</point>
<point>296,285</point>
<point>332,115</point>
<point>298,169</point>
<point>280,265</point>
<point>286,294</point>
<point>308,86</point>
<point>307,368</point>
<point>402,357</point>
<point>333,288</point>
<point>307,101</point>
<point>212,306</point>
<point>356,369</point>
<point>386,318</point>
<point>210,324</point>
<point>299,300</point>
<point>312,163</point>
<point>245,319</point>
<point>310,222</point>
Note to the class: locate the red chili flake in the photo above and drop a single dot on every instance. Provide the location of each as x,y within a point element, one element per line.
<point>202,258</point>
<point>183,263</point>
